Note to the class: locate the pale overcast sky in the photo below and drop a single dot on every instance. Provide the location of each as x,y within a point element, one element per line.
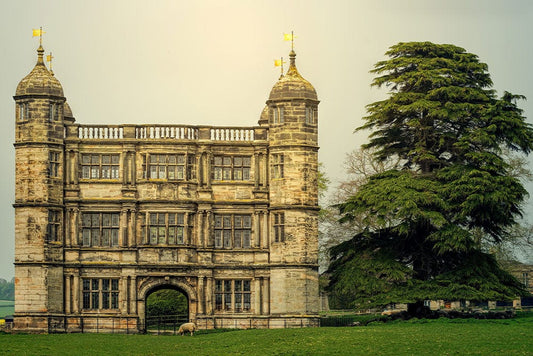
<point>211,62</point>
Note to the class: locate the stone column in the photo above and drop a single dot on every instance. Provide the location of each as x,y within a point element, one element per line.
<point>67,167</point>
<point>266,296</point>
<point>265,240</point>
<point>186,240</point>
<point>144,235</point>
<point>74,228</point>
<point>208,160</point>
<point>257,230</point>
<point>133,291</point>
<point>133,166</point>
<point>207,233</point>
<point>257,174</point>
<point>266,178</point>
<point>200,170</point>
<point>199,229</point>
<point>257,296</point>
<point>67,226</point>
<point>123,291</point>
<point>125,167</point>
<point>76,294</point>
<point>209,296</point>
<point>75,167</point>
<point>201,295</point>
<point>132,228</point>
<point>68,291</point>
<point>128,295</point>
<point>122,232</point>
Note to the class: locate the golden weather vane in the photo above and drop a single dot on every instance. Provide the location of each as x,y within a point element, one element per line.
<point>289,37</point>
<point>279,63</point>
<point>49,60</point>
<point>39,33</point>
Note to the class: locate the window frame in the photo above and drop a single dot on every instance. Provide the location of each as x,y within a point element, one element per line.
<point>24,113</point>
<point>163,228</point>
<point>236,168</point>
<point>54,162</point>
<point>277,115</point>
<point>53,228</point>
<point>278,226</point>
<point>311,115</point>
<point>278,165</point>
<point>233,295</point>
<point>93,166</point>
<point>96,296</point>
<point>96,230</point>
<point>187,166</point>
<point>53,112</point>
<point>232,231</point>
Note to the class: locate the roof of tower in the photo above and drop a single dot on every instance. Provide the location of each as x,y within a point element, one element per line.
<point>292,84</point>
<point>67,111</point>
<point>40,80</point>
<point>263,120</point>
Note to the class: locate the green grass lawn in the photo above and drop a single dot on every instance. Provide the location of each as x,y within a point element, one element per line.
<point>418,337</point>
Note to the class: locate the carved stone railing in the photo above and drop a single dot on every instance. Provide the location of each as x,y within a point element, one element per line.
<point>101,132</point>
<point>232,134</point>
<point>171,132</point>
<point>166,132</point>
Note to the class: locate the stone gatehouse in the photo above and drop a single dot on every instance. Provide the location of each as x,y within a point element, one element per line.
<point>106,214</point>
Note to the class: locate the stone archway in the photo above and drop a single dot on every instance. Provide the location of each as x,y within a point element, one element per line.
<point>152,284</point>
<point>166,307</point>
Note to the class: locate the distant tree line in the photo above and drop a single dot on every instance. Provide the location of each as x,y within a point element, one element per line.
<point>7,289</point>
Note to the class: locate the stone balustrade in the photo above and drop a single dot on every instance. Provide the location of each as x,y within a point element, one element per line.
<point>99,132</point>
<point>232,134</point>
<point>162,132</point>
<point>165,132</point>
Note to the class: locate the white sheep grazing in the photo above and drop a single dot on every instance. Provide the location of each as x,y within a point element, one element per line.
<point>390,312</point>
<point>187,327</point>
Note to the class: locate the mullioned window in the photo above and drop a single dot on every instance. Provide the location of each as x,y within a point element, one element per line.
<point>231,167</point>
<point>232,295</point>
<point>100,229</point>
<point>100,166</point>
<point>233,231</point>
<point>100,293</point>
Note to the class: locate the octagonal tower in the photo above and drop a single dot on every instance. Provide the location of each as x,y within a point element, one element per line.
<point>39,142</point>
<point>293,160</point>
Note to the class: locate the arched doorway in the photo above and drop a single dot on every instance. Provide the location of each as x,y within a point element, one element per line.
<point>166,308</point>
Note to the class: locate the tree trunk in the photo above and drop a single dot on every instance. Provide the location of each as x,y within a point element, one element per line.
<point>418,310</point>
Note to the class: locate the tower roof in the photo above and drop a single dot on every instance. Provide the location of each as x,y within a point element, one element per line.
<point>40,81</point>
<point>292,85</point>
<point>67,111</point>
<point>263,120</point>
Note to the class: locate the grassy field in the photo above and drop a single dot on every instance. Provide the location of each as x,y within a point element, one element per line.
<point>418,337</point>
<point>7,307</point>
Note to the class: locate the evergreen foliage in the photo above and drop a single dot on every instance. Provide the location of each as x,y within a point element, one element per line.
<point>166,302</point>
<point>448,130</point>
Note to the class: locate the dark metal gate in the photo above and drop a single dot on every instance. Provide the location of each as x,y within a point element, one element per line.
<point>165,324</point>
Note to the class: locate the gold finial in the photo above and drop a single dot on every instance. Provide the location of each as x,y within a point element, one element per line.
<point>279,63</point>
<point>49,60</point>
<point>289,37</point>
<point>39,33</point>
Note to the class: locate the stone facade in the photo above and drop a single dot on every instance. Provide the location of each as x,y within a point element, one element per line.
<point>107,214</point>
<point>523,272</point>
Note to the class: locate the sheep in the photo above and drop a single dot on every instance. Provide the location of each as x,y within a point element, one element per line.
<point>391,312</point>
<point>187,327</point>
